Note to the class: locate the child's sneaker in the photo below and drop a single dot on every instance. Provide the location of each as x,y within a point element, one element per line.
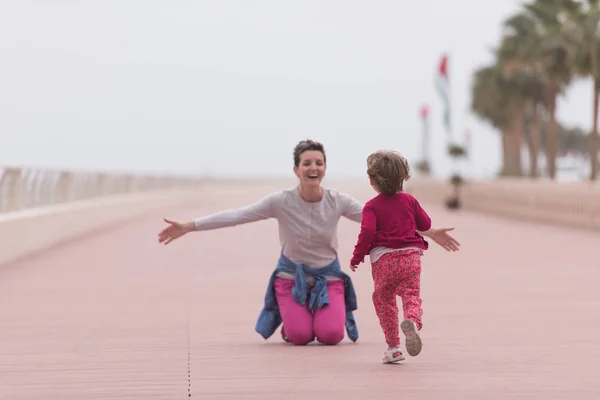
<point>413,340</point>
<point>393,355</point>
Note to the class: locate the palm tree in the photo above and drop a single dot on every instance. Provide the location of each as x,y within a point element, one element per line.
<point>583,32</point>
<point>552,54</point>
<point>511,85</point>
<point>519,54</point>
<point>501,94</point>
<point>542,48</point>
<point>489,101</point>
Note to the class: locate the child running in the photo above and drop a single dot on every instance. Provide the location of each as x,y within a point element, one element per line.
<point>388,233</point>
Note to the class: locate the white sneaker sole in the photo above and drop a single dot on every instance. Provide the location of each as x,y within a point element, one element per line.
<point>413,340</point>
<point>394,359</point>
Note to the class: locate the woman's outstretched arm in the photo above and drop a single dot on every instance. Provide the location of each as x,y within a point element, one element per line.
<point>258,211</point>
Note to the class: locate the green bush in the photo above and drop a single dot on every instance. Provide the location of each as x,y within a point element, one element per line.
<point>455,150</point>
<point>423,167</point>
<point>456,180</point>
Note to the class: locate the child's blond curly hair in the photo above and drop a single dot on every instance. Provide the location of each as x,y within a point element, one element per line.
<point>388,171</point>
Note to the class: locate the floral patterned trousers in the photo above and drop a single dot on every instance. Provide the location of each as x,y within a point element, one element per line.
<point>397,273</point>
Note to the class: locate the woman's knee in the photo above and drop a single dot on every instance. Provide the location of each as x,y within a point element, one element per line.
<point>297,319</point>
<point>330,320</point>
<point>299,336</point>
<point>330,335</point>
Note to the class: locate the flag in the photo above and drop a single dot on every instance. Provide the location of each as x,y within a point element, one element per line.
<point>442,81</point>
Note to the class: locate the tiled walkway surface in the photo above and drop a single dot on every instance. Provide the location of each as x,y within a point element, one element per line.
<point>514,315</point>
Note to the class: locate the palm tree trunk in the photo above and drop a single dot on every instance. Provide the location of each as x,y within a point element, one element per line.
<point>534,147</point>
<point>513,167</point>
<point>594,133</point>
<point>514,140</point>
<point>552,142</point>
<point>505,152</point>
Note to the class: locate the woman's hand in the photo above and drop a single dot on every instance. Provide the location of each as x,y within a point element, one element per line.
<point>175,230</point>
<point>441,237</point>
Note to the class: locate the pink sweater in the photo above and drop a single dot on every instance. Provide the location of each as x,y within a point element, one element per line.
<point>392,222</point>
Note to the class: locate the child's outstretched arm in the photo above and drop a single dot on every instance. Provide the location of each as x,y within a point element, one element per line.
<point>258,211</point>
<point>440,236</point>
<point>368,228</point>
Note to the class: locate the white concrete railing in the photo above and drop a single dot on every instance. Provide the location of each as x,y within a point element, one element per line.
<point>24,188</point>
<point>572,204</point>
<point>35,202</point>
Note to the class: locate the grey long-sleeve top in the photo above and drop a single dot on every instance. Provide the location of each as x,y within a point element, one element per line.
<point>307,230</point>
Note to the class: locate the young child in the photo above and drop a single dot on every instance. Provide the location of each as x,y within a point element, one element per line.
<point>389,234</point>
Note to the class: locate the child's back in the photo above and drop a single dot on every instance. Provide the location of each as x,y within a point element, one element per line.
<point>390,222</point>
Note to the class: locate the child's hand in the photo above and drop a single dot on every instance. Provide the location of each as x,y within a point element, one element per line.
<point>353,267</point>
<point>443,238</point>
<point>174,231</point>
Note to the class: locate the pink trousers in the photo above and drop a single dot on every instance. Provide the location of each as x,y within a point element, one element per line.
<point>301,326</point>
<point>397,274</point>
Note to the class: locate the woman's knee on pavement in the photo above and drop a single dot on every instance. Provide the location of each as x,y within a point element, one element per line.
<point>329,334</point>
<point>330,320</point>
<point>300,335</point>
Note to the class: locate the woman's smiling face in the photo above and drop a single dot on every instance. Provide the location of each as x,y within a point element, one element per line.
<point>311,169</point>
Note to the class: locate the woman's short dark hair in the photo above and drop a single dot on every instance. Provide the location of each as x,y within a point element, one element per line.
<point>307,145</point>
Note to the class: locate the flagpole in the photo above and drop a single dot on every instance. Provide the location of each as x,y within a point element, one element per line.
<point>425,135</point>
<point>443,85</point>
<point>469,150</point>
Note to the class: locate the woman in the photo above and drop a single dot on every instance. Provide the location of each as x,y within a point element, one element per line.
<point>308,291</point>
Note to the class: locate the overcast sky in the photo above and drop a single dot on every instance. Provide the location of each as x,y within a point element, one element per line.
<point>228,87</point>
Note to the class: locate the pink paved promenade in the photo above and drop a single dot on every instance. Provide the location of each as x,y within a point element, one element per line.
<point>514,315</point>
